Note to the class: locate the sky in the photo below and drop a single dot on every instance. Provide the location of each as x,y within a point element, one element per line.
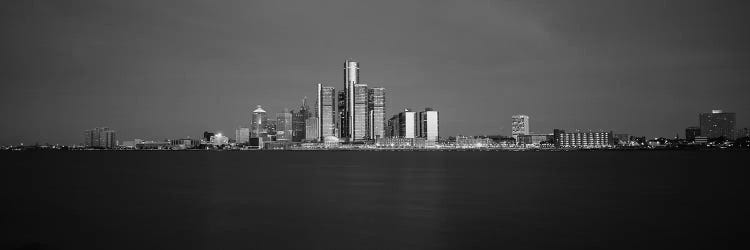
<point>171,69</point>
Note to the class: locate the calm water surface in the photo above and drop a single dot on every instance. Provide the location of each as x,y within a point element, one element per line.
<point>372,200</point>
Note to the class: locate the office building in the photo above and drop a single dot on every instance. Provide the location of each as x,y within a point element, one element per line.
<point>326,111</point>
<point>359,122</point>
<point>311,129</point>
<point>403,125</point>
<point>259,123</point>
<point>534,139</point>
<point>342,117</point>
<point>519,126</point>
<point>692,132</point>
<point>242,135</point>
<point>100,138</point>
<point>564,139</point>
<point>376,110</point>
<point>717,124</point>
<point>284,129</point>
<point>428,125</point>
<point>299,119</point>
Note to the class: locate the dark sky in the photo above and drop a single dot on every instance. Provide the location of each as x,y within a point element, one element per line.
<point>167,69</point>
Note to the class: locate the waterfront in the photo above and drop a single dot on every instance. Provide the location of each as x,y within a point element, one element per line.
<point>372,200</point>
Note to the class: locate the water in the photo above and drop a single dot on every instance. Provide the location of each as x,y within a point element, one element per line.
<point>372,200</point>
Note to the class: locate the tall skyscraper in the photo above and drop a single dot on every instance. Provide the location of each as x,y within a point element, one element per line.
<point>520,126</point>
<point>376,109</point>
<point>351,78</point>
<point>259,123</point>
<point>284,129</point>
<point>342,117</point>
<point>326,111</point>
<point>359,123</point>
<point>717,124</point>
<point>100,138</point>
<point>428,125</point>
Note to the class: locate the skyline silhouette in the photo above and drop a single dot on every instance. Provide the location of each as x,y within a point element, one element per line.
<point>157,70</point>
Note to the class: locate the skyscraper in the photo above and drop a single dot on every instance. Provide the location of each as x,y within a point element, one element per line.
<point>520,126</point>
<point>428,125</point>
<point>342,117</point>
<point>284,129</point>
<point>326,111</point>
<point>376,112</point>
<point>351,78</point>
<point>259,123</point>
<point>360,118</point>
<point>298,121</point>
<point>717,124</point>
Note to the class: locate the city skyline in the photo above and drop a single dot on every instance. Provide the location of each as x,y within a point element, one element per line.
<point>78,65</point>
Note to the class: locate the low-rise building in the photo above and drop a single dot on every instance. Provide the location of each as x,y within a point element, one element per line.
<point>583,139</point>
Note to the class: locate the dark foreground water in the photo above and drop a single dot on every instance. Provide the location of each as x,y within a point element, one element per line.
<point>373,200</point>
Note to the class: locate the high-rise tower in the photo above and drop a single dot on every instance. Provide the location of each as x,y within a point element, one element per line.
<point>259,123</point>
<point>520,126</point>
<point>376,113</point>
<point>326,111</point>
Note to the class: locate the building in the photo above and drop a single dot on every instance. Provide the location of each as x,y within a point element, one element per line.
<point>331,142</point>
<point>391,127</point>
<point>342,118</point>
<point>700,140</point>
<point>519,126</point>
<point>717,124</point>
<point>311,129</point>
<point>284,131</point>
<point>100,138</point>
<point>376,111</point>
<point>359,116</point>
<point>474,142</point>
<point>188,143</point>
<point>428,125</point>
<point>534,139</point>
<point>564,139</point>
<point>219,139</point>
<point>153,145</point>
<point>259,123</point>
<point>692,132</point>
<point>404,124</point>
<point>396,142</point>
<point>207,136</point>
<point>299,119</point>
<point>326,111</point>
<point>242,135</point>
<point>351,78</point>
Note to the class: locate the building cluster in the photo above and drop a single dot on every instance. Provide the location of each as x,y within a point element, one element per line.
<point>355,117</point>
<point>717,125</point>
